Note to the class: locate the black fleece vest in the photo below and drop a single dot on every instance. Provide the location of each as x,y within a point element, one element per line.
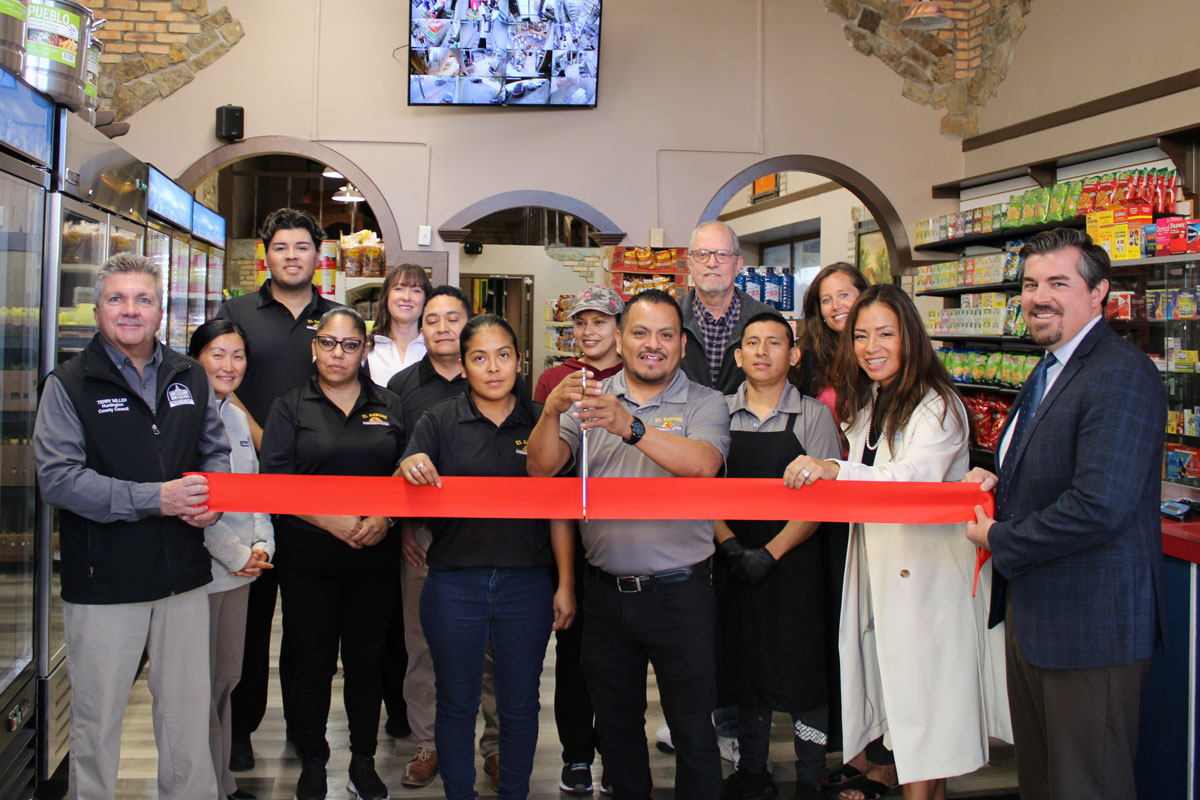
<point>151,558</point>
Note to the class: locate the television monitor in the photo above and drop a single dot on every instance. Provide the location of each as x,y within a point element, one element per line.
<point>503,52</point>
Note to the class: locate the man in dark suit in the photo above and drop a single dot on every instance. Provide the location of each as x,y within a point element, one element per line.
<point>1077,535</point>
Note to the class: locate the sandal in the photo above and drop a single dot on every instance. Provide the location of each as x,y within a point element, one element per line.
<point>872,790</point>
<point>846,776</point>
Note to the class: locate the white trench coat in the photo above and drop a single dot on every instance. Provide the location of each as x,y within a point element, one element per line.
<point>918,663</point>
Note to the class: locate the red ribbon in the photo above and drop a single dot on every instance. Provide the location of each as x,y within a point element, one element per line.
<point>608,498</point>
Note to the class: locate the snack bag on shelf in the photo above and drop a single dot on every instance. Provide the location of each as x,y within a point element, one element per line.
<point>373,259</point>
<point>979,361</point>
<point>992,372</point>
<point>1105,188</point>
<point>1016,209</point>
<point>1087,197</point>
<point>1005,373</point>
<point>1012,259</point>
<point>1071,201</point>
<point>1041,205</point>
<point>1058,201</point>
<point>1029,209</point>
<point>350,249</point>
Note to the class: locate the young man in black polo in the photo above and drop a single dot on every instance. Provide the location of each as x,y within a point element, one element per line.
<point>280,321</point>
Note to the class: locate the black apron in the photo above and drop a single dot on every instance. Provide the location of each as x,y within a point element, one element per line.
<point>772,634</point>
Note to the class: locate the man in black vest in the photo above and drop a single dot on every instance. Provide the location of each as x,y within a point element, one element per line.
<point>118,426</point>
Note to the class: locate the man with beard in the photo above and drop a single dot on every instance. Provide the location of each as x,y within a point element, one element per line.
<point>1077,535</point>
<point>648,590</point>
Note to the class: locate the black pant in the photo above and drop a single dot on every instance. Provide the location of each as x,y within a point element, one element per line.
<point>325,605</point>
<point>671,626</point>
<point>809,738</point>
<point>1075,731</point>
<point>395,664</point>
<point>248,702</point>
<point>573,714</point>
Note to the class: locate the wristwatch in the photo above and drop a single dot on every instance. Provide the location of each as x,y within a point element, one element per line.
<point>636,431</point>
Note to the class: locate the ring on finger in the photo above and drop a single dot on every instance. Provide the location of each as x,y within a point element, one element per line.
<point>414,470</point>
<point>805,473</point>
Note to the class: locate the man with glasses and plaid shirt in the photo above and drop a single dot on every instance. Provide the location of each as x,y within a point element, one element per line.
<point>715,311</point>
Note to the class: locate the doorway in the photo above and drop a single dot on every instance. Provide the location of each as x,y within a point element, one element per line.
<point>510,297</point>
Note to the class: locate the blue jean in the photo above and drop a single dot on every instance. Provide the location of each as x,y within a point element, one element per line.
<point>460,611</point>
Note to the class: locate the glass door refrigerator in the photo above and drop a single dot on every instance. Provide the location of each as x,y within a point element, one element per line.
<point>26,148</point>
<point>208,237</point>
<point>99,209</point>
<point>169,242</point>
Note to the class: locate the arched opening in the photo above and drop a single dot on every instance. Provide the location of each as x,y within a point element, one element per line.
<point>880,208</point>
<point>287,145</point>
<point>458,227</point>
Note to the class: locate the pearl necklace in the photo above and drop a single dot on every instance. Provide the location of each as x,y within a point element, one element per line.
<point>871,424</point>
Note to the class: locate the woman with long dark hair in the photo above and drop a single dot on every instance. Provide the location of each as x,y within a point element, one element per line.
<point>916,665</point>
<point>489,579</point>
<point>826,305</point>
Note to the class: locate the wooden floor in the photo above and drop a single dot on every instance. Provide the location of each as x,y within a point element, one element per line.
<point>274,775</point>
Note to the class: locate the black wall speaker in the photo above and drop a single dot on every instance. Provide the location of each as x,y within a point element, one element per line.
<point>472,248</point>
<point>231,123</point>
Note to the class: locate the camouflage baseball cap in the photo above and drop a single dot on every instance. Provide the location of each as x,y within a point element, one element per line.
<point>598,298</point>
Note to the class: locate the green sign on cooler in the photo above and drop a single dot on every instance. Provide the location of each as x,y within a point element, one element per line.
<point>52,34</point>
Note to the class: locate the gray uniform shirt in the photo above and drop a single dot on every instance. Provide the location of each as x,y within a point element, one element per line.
<point>60,451</point>
<point>647,546</point>
<point>815,428</point>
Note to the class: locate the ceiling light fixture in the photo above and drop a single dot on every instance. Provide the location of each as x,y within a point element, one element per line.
<point>926,16</point>
<point>330,172</point>
<point>348,194</point>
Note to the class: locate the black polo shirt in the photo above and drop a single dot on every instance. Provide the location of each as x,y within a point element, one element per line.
<point>420,387</point>
<point>280,345</point>
<point>461,441</point>
<point>307,434</point>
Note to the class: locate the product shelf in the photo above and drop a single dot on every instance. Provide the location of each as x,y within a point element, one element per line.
<point>995,238</point>
<point>954,291</point>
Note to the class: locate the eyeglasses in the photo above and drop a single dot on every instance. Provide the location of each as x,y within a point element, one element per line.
<point>349,346</point>
<point>723,256</point>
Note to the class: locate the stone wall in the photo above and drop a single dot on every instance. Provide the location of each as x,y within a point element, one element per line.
<point>956,69</point>
<point>152,48</point>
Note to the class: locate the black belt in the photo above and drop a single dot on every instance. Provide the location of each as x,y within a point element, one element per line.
<point>630,584</point>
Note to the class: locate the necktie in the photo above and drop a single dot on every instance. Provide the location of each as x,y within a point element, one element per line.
<point>1025,411</point>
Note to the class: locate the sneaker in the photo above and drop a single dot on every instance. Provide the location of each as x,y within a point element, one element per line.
<point>728,745</point>
<point>241,754</point>
<point>747,786</point>
<point>576,778</point>
<point>491,765</point>
<point>605,786</point>
<point>312,783</point>
<point>421,770</point>
<point>662,740</point>
<point>364,780</point>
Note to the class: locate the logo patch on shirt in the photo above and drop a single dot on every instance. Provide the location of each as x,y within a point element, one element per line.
<point>669,424</point>
<point>244,443</point>
<point>179,395</point>
<point>311,324</point>
<point>375,418</point>
<point>111,405</point>
<point>521,445</point>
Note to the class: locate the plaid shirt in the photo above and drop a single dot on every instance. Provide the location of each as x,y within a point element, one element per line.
<point>717,331</point>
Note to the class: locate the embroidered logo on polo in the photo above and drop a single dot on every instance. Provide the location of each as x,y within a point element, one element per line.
<point>521,445</point>
<point>111,405</point>
<point>244,443</point>
<point>179,395</point>
<point>669,424</point>
<point>374,418</point>
<point>311,324</point>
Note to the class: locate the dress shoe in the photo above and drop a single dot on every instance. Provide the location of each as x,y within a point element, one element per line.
<point>491,765</point>
<point>421,770</point>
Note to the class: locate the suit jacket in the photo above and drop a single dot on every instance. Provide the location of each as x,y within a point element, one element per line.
<point>1078,536</point>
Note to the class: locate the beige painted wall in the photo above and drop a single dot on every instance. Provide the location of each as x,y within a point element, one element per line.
<point>679,105</point>
<point>1074,51</point>
<point>678,111</point>
<point>550,279</point>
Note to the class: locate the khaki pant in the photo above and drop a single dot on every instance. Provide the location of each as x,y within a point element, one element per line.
<point>104,646</point>
<point>419,692</point>
<point>227,637</point>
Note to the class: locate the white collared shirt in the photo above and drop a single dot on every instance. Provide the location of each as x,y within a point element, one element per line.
<point>1061,356</point>
<point>385,359</point>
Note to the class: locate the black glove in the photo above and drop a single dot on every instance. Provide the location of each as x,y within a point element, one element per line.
<point>753,565</point>
<point>732,549</point>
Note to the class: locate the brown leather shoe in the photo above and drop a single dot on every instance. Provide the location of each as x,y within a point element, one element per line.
<point>421,770</point>
<point>491,765</point>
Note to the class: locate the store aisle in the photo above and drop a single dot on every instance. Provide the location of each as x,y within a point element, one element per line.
<point>274,776</point>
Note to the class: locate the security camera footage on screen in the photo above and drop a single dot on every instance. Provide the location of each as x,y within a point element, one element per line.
<point>504,52</point>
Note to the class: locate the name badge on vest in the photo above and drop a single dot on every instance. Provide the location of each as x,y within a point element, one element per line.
<point>179,395</point>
